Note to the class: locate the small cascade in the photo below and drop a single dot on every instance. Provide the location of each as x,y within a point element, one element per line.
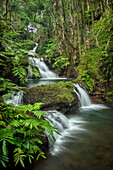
<point>33,50</point>
<point>31,53</point>
<point>83,96</point>
<point>57,120</point>
<point>85,101</point>
<point>40,65</point>
<point>65,126</point>
<point>16,99</point>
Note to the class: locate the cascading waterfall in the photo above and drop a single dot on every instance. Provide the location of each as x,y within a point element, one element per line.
<point>83,96</point>
<point>57,120</point>
<point>65,125</point>
<point>33,50</point>
<point>40,65</point>
<point>44,73</point>
<point>85,101</point>
<point>16,99</point>
<point>69,126</point>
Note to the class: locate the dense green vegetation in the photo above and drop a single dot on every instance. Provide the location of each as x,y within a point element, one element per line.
<point>21,131</point>
<point>75,38</point>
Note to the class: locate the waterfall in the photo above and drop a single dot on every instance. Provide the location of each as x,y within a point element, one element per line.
<point>65,126</point>
<point>85,101</point>
<point>40,65</point>
<point>33,50</point>
<point>57,120</point>
<point>16,99</point>
<point>82,96</point>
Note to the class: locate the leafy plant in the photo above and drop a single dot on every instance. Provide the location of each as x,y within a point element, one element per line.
<point>3,158</point>
<point>23,130</point>
<point>19,156</point>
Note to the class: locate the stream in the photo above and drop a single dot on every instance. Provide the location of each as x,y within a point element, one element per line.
<point>86,134</point>
<point>86,140</point>
<point>86,144</point>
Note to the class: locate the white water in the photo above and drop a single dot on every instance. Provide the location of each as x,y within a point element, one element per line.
<point>72,125</point>
<point>83,96</point>
<point>84,99</point>
<point>39,63</point>
<point>33,50</point>
<point>42,67</point>
<point>44,73</point>
<point>16,99</point>
<point>57,120</point>
<point>85,144</point>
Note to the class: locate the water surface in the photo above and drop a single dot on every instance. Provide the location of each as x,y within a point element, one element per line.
<point>87,144</point>
<point>37,82</point>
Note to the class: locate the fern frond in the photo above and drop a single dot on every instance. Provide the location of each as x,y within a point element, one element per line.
<point>38,113</point>
<point>19,156</point>
<point>2,123</point>
<point>3,159</point>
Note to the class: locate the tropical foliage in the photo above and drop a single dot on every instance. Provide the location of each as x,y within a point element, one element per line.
<point>76,40</point>
<point>22,131</point>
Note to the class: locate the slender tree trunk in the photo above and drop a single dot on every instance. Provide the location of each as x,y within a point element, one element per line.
<point>6,9</point>
<point>92,16</point>
<point>88,22</point>
<point>84,35</point>
<point>78,28</point>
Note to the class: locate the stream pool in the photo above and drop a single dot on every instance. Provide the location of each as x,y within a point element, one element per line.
<point>87,144</point>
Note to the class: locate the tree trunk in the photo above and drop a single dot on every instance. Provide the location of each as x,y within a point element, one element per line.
<point>84,35</point>
<point>92,16</point>
<point>78,28</point>
<point>6,9</point>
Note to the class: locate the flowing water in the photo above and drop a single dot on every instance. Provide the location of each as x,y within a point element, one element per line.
<point>39,63</point>
<point>87,143</point>
<point>46,76</point>
<point>86,140</point>
<point>16,99</point>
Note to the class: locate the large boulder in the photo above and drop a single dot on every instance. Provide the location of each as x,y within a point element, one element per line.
<point>59,96</point>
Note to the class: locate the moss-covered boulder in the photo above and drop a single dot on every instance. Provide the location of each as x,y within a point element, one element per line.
<point>59,96</point>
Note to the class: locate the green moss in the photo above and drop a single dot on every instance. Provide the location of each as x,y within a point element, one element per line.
<point>62,92</point>
<point>109,97</point>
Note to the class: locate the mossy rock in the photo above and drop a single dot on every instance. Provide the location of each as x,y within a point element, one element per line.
<point>54,95</point>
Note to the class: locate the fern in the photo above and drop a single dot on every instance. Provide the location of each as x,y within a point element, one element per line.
<point>6,87</point>
<point>33,71</point>
<point>3,158</point>
<point>6,136</point>
<point>2,123</point>
<point>30,157</point>
<point>23,131</point>
<point>21,72</point>
<point>40,154</point>
<point>19,156</point>
<point>38,114</point>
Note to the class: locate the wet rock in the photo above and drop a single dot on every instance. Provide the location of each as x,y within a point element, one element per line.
<point>97,100</point>
<point>59,96</point>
